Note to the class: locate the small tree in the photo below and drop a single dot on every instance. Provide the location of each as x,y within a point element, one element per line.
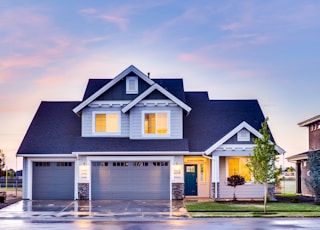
<point>234,181</point>
<point>313,182</point>
<point>262,163</point>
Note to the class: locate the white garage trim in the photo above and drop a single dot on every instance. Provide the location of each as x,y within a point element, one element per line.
<point>30,172</point>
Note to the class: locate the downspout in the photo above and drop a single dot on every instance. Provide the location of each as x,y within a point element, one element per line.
<point>215,175</point>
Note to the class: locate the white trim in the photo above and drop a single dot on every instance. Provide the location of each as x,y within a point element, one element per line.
<point>131,68</point>
<point>51,159</point>
<point>105,134</point>
<point>44,156</point>
<point>149,91</point>
<point>102,103</point>
<point>235,131</point>
<point>133,153</point>
<point>131,158</point>
<point>168,134</point>
<point>135,81</point>
<point>227,168</point>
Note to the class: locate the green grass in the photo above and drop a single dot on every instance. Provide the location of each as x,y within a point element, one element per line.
<point>274,209</point>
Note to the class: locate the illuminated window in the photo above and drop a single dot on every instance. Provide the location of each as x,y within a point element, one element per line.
<point>107,123</point>
<point>237,166</point>
<point>156,123</point>
<point>202,173</point>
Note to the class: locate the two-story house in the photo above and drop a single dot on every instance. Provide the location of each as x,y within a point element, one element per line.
<point>133,137</point>
<point>313,125</point>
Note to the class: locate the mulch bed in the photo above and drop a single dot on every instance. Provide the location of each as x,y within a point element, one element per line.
<point>295,199</point>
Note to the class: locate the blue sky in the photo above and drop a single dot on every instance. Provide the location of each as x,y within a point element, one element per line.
<point>265,50</point>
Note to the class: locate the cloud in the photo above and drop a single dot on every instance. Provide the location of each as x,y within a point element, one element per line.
<point>88,11</point>
<point>119,21</point>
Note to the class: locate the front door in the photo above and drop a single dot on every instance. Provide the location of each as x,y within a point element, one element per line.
<point>190,180</point>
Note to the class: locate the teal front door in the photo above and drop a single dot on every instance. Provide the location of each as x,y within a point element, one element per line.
<point>190,180</point>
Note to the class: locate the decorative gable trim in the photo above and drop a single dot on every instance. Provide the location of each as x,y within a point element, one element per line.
<point>233,132</point>
<point>149,91</point>
<point>124,73</point>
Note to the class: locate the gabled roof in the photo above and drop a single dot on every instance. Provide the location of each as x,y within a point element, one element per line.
<point>55,129</point>
<point>149,91</point>
<point>233,132</point>
<point>211,120</point>
<point>112,83</point>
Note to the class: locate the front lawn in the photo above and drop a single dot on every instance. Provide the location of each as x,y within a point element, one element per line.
<point>252,209</point>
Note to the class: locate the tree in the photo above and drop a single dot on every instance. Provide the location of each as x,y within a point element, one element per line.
<point>262,163</point>
<point>234,181</point>
<point>2,161</point>
<point>313,182</point>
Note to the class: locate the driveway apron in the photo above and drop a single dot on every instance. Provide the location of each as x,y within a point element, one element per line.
<point>98,209</point>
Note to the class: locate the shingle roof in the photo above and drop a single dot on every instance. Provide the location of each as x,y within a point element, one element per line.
<point>210,120</point>
<point>52,129</point>
<point>174,86</point>
<point>55,129</point>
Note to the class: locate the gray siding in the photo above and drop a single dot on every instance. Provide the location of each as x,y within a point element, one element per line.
<point>176,118</point>
<point>87,121</point>
<point>249,191</point>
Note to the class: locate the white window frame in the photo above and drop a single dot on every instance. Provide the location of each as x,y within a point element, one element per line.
<point>227,167</point>
<point>135,80</point>
<point>156,135</point>
<point>105,133</point>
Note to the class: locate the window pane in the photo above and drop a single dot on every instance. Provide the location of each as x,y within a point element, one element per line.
<point>162,123</point>
<point>245,172</point>
<point>233,166</point>
<point>100,122</point>
<point>112,123</point>
<point>150,123</point>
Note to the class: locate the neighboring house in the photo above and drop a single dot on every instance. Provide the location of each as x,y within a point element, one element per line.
<point>313,125</point>
<point>133,137</point>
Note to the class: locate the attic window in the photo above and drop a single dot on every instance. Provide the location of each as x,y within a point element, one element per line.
<point>132,85</point>
<point>243,135</point>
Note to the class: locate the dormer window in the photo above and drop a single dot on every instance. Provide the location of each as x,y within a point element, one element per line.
<point>131,85</point>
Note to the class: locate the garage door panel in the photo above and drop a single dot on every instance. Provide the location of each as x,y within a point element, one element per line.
<point>53,181</point>
<point>130,181</point>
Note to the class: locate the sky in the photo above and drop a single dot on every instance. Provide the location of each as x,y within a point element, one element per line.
<point>264,50</point>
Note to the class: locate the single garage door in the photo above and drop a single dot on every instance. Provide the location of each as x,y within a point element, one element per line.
<point>130,180</point>
<point>53,181</point>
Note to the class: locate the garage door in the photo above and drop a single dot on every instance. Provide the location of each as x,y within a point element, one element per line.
<point>130,180</point>
<point>53,181</point>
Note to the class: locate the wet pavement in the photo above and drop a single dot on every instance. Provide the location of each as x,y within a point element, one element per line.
<point>104,209</point>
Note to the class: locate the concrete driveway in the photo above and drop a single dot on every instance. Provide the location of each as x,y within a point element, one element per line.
<point>106,209</point>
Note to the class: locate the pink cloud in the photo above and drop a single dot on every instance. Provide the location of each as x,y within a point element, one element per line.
<point>233,26</point>
<point>119,21</point>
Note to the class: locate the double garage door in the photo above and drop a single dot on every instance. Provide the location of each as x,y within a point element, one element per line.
<point>143,180</point>
<point>53,181</point>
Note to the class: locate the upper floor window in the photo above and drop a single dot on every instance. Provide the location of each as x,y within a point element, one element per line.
<point>107,123</point>
<point>156,123</point>
<point>131,85</point>
<point>237,166</point>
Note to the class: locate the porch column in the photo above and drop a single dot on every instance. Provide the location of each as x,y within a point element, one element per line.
<point>215,177</point>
